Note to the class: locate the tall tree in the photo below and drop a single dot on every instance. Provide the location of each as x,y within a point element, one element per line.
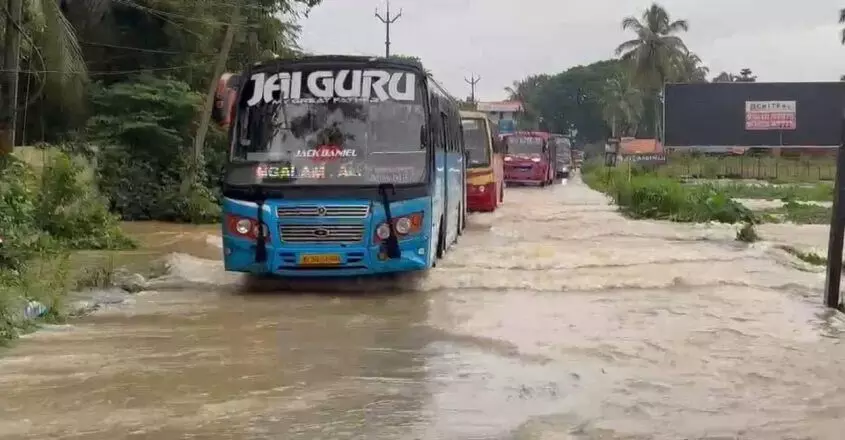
<point>49,46</point>
<point>746,75</point>
<point>689,68</point>
<point>724,77</point>
<point>622,105</point>
<point>653,52</point>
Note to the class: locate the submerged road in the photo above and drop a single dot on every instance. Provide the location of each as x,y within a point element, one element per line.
<point>554,318</point>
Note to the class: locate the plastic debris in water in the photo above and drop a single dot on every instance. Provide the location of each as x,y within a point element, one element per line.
<point>34,309</point>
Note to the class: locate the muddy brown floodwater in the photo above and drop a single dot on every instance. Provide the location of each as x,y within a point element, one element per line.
<point>554,318</point>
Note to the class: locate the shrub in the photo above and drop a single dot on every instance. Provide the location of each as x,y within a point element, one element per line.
<point>143,131</point>
<point>640,194</point>
<point>40,220</point>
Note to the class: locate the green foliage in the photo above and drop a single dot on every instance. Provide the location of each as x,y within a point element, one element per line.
<point>41,219</point>
<point>640,194</point>
<point>144,131</point>
<point>70,212</point>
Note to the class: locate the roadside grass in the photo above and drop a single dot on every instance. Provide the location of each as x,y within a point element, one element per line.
<point>798,213</point>
<point>641,194</point>
<point>807,257</point>
<point>819,192</point>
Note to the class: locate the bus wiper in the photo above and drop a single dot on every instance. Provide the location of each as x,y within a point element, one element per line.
<point>392,241</point>
<point>260,239</point>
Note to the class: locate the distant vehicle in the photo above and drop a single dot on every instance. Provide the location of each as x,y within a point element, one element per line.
<point>485,163</point>
<point>339,166</point>
<point>577,158</point>
<point>530,158</point>
<point>563,162</point>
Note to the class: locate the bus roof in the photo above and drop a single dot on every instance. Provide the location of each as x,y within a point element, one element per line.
<point>329,59</point>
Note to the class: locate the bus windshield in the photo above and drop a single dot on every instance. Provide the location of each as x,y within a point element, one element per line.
<point>332,127</point>
<point>525,145</point>
<point>477,142</point>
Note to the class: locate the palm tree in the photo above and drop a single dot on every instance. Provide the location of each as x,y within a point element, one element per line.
<point>746,75</point>
<point>653,52</point>
<point>622,105</point>
<point>690,68</point>
<point>50,47</point>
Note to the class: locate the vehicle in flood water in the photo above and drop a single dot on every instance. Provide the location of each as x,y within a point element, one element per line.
<point>485,162</point>
<point>563,155</point>
<point>530,158</point>
<point>340,166</point>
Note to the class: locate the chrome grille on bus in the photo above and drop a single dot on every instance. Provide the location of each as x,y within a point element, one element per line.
<point>335,211</point>
<point>322,233</point>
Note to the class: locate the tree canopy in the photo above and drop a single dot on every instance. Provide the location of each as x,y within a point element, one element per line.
<point>620,96</point>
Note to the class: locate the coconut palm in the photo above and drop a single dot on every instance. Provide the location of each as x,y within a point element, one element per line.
<point>690,68</point>
<point>622,105</point>
<point>654,51</point>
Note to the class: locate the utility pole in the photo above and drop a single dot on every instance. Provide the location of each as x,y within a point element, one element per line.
<point>387,20</point>
<point>11,65</point>
<point>472,81</point>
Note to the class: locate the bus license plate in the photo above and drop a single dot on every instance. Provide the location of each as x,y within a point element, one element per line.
<point>319,260</point>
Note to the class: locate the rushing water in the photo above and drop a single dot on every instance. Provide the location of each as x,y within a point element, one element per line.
<point>554,318</point>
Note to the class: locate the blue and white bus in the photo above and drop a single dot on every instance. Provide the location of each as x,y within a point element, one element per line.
<point>340,166</point>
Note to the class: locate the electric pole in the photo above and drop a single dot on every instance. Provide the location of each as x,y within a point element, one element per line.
<point>387,20</point>
<point>11,65</point>
<point>472,81</point>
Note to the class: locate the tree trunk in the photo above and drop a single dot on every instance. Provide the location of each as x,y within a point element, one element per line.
<point>208,104</point>
<point>11,64</point>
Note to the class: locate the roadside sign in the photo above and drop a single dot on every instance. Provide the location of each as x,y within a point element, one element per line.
<point>770,115</point>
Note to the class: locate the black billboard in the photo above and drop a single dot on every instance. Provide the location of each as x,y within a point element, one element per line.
<point>754,114</point>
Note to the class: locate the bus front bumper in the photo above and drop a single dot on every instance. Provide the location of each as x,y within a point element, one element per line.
<point>482,198</point>
<point>337,261</point>
<point>525,173</point>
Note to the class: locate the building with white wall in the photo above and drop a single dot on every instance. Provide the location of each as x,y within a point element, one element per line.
<point>503,113</point>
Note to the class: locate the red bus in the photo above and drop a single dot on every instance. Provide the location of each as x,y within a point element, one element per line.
<point>530,158</point>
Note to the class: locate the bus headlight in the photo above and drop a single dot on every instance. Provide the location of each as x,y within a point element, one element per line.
<point>383,231</point>
<point>403,225</point>
<point>244,226</point>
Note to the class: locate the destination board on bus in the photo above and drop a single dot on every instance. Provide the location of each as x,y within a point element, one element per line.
<point>761,115</point>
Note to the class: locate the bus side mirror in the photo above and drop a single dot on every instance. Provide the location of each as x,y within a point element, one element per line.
<point>423,137</point>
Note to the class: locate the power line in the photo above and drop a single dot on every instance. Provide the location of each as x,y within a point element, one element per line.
<point>388,20</point>
<point>137,49</point>
<point>105,72</point>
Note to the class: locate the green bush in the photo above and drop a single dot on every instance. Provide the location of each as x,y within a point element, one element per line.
<point>144,135</point>
<point>640,194</point>
<point>41,219</point>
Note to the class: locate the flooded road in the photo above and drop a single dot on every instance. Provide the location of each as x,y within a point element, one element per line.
<point>554,318</point>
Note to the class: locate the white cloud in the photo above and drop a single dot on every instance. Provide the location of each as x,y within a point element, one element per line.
<point>503,41</point>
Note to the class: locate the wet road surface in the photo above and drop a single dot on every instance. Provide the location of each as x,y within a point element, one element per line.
<point>554,318</point>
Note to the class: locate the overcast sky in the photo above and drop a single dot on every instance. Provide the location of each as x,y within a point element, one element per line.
<point>506,40</point>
